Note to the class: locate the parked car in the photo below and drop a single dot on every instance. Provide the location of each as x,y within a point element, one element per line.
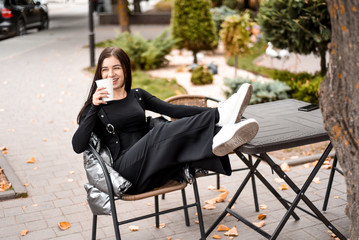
<point>19,15</point>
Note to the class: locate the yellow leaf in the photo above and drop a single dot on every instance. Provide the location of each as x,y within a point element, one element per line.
<point>209,207</point>
<point>278,180</point>
<point>211,201</point>
<point>168,238</point>
<point>44,139</point>
<point>283,187</point>
<point>336,197</point>
<point>4,152</point>
<point>162,225</point>
<point>64,225</point>
<point>259,224</point>
<point>221,197</point>
<point>3,148</point>
<point>196,221</point>
<point>210,187</point>
<point>316,180</point>
<point>263,206</point>
<point>216,237</point>
<point>262,216</point>
<point>24,232</point>
<point>285,167</point>
<point>232,232</point>
<point>31,160</point>
<point>222,190</point>
<point>222,228</point>
<point>134,228</point>
<point>66,129</point>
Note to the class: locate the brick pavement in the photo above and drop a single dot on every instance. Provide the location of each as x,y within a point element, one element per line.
<point>42,89</point>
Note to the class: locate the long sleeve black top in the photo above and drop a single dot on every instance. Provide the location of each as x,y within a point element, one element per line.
<point>128,117</point>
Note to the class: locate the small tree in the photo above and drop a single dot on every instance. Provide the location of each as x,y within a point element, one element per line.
<point>193,26</point>
<point>235,36</point>
<point>301,26</point>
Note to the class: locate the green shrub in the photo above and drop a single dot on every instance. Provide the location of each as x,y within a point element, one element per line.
<point>164,5</point>
<point>262,91</point>
<point>219,14</point>
<point>201,76</point>
<point>144,54</point>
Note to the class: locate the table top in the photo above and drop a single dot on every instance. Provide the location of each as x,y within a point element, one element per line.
<point>282,125</point>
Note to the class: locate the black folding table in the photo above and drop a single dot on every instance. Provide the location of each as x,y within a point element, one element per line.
<point>281,126</point>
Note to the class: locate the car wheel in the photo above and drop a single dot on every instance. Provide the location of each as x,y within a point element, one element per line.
<point>44,23</point>
<point>20,28</point>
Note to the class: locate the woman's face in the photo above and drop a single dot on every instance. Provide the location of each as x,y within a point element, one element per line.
<point>111,68</point>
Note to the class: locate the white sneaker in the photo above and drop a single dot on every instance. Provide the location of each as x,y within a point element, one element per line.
<point>231,110</point>
<point>232,136</point>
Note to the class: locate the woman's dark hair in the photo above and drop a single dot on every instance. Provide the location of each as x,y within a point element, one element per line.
<point>125,64</point>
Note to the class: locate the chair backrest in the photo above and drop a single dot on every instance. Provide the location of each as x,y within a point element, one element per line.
<point>191,100</point>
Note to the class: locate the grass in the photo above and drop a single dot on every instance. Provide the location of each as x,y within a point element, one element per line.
<point>160,87</point>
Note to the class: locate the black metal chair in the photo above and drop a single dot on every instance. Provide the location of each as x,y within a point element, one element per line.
<point>167,188</point>
<point>202,101</point>
<point>330,182</point>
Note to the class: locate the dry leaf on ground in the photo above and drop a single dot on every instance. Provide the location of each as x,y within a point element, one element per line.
<point>259,224</point>
<point>211,187</point>
<point>222,190</point>
<point>285,167</point>
<point>216,237</point>
<point>232,232</point>
<point>64,225</point>
<point>222,228</point>
<point>316,180</point>
<point>221,197</point>
<point>283,187</point>
<point>134,228</point>
<point>31,160</point>
<point>209,206</point>
<point>262,216</point>
<point>336,197</point>
<point>162,225</point>
<point>263,206</point>
<point>210,201</point>
<point>3,148</point>
<point>24,232</point>
<point>278,180</point>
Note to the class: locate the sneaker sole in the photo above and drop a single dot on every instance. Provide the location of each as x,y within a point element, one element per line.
<point>244,98</point>
<point>243,134</point>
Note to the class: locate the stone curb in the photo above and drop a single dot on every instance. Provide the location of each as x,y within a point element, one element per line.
<point>18,189</point>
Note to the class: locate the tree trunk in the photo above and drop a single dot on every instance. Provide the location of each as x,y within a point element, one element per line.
<point>137,6</point>
<point>123,16</point>
<point>195,57</point>
<point>339,99</point>
<point>323,62</point>
<point>235,66</point>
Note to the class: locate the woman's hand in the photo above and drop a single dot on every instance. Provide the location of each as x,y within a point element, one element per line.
<point>97,97</point>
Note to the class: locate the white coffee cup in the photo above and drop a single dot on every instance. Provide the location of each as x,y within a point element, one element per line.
<point>107,83</point>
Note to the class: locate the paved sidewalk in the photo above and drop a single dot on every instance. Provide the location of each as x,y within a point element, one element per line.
<point>42,88</point>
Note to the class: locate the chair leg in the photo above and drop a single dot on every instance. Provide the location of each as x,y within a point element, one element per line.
<point>157,209</point>
<point>199,210</point>
<point>218,181</point>
<point>184,200</point>
<point>330,183</point>
<point>94,227</point>
<point>254,188</point>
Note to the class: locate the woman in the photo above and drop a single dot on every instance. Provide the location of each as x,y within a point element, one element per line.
<point>201,137</point>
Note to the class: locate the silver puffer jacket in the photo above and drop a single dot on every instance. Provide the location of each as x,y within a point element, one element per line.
<point>97,188</point>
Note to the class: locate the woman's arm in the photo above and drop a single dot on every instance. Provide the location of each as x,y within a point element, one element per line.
<point>154,104</point>
<point>81,138</point>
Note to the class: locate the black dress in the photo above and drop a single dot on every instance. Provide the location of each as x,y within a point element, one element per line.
<point>149,159</point>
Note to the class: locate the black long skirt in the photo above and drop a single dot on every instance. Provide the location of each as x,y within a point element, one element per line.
<point>162,152</point>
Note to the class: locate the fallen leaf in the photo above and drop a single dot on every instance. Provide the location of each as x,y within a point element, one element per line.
<point>315,163</point>
<point>4,152</point>
<point>327,167</point>
<point>64,225</point>
<point>259,224</point>
<point>149,204</point>
<point>24,232</point>
<point>31,160</point>
<point>222,190</point>
<point>66,129</point>
<point>307,165</point>
<point>211,187</point>
<point>216,237</point>
<point>229,199</point>
<point>222,228</point>
<point>316,180</point>
<point>168,238</point>
<point>134,228</point>
<point>263,206</point>
<point>196,221</point>
<point>26,184</point>
<point>162,225</point>
<point>2,110</point>
<point>35,205</point>
<point>44,139</point>
<point>60,101</point>
<point>283,187</point>
<point>35,168</point>
<point>221,197</point>
<point>232,232</point>
<point>11,130</point>
<point>336,197</point>
<point>3,148</point>
<point>209,206</point>
<point>278,180</point>
<point>72,172</point>
<point>211,201</point>
<point>285,167</point>
<point>262,216</point>
<point>70,180</point>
